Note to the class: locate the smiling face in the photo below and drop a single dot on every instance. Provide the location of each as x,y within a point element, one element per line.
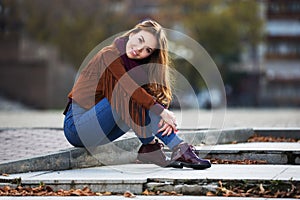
<point>140,45</point>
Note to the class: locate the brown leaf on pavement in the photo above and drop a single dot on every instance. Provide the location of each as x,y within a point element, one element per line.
<point>210,194</point>
<point>5,174</point>
<point>259,138</point>
<point>262,189</point>
<point>128,194</point>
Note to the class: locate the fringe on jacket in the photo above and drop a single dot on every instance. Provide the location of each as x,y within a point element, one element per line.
<point>133,114</point>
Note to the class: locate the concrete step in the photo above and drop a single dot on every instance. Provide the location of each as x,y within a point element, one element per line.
<point>270,152</point>
<point>122,151</point>
<point>209,143</point>
<point>279,132</point>
<point>136,178</point>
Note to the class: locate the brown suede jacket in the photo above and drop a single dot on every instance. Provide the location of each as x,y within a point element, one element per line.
<point>105,76</point>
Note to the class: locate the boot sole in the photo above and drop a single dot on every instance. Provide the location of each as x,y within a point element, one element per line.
<point>195,166</point>
<point>175,164</point>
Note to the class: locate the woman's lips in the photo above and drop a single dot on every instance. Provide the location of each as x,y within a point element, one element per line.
<point>134,53</point>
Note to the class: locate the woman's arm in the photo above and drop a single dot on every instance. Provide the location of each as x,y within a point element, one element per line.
<point>138,94</point>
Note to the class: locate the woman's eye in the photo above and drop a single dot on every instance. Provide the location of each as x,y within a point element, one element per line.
<point>140,40</point>
<point>148,50</point>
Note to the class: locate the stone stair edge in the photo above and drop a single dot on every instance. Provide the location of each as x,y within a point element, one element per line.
<point>79,157</point>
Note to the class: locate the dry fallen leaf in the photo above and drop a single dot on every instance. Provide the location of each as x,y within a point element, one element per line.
<point>210,194</point>
<point>258,138</point>
<point>146,192</point>
<point>262,189</point>
<point>107,193</point>
<point>5,174</point>
<point>128,194</point>
<point>76,193</point>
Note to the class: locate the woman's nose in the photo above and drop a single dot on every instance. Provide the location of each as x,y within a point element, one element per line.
<point>140,48</point>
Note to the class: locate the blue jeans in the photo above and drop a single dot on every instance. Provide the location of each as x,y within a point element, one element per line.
<point>101,125</point>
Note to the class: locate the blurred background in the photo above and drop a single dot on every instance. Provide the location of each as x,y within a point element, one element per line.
<point>254,43</point>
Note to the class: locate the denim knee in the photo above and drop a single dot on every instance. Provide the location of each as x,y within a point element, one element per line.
<point>72,137</point>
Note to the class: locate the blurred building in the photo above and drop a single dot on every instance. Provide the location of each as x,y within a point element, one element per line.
<point>31,73</point>
<point>272,76</point>
<point>280,84</point>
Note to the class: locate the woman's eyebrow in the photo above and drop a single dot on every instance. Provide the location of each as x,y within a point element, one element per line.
<point>143,39</point>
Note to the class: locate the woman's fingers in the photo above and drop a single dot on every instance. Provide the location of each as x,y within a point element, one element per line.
<point>172,124</point>
<point>163,128</point>
<point>166,129</point>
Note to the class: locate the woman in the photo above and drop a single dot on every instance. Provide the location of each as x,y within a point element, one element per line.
<point>127,85</point>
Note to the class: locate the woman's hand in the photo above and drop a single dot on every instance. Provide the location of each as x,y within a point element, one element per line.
<point>167,123</point>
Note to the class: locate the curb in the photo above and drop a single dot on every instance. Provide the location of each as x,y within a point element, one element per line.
<point>279,156</point>
<point>75,158</point>
<point>120,152</point>
<point>279,132</point>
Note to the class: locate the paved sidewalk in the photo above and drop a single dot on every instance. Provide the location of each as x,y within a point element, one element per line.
<point>140,173</point>
<point>233,118</point>
<point>24,143</point>
<point>27,133</point>
<point>134,178</point>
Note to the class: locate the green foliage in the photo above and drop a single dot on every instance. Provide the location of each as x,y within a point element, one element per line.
<point>223,27</point>
<point>247,17</point>
<point>184,68</point>
<point>74,26</point>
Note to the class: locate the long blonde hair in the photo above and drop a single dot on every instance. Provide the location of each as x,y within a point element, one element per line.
<point>160,81</point>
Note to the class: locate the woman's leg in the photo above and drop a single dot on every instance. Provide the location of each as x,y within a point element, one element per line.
<point>97,126</point>
<point>171,140</point>
<point>152,152</point>
<point>182,152</point>
<point>70,130</point>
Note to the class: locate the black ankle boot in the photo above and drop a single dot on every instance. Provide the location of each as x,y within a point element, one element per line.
<point>185,154</point>
<point>153,153</point>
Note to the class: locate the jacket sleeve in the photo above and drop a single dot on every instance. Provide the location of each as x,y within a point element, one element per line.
<point>115,66</point>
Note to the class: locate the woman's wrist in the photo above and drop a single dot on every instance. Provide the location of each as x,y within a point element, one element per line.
<point>169,117</point>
